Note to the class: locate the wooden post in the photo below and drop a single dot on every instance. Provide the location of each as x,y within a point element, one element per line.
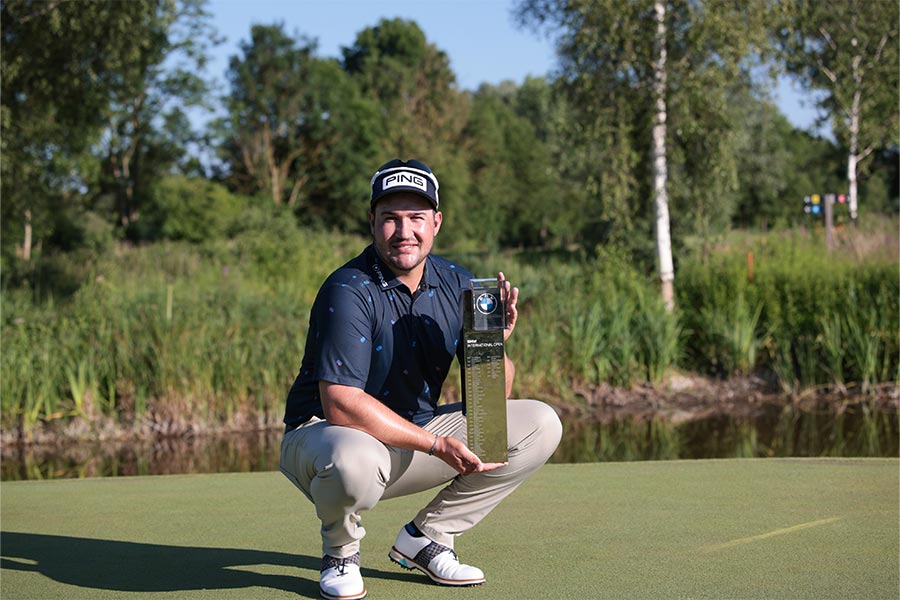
<point>26,243</point>
<point>829,221</point>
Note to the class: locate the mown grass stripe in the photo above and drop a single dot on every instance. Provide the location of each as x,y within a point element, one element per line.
<point>770,534</point>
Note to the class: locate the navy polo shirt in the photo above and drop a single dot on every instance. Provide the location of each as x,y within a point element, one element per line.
<point>366,330</point>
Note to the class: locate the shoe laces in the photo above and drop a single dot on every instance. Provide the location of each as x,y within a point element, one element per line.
<point>431,551</point>
<point>329,562</point>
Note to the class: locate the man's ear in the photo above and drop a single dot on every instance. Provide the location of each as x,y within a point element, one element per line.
<point>438,219</point>
<point>371,223</point>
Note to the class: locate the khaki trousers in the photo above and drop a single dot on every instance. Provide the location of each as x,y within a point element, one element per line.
<point>344,471</point>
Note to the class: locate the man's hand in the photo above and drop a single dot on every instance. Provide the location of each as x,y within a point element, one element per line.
<point>512,296</point>
<point>457,455</point>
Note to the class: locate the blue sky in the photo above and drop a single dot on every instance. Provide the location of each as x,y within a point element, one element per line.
<point>480,37</point>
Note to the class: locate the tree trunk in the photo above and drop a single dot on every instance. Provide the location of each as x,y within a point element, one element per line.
<point>663,238</point>
<point>26,243</point>
<point>852,159</point>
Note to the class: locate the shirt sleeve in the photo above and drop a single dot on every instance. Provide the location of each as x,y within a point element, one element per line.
<point>343,318</point>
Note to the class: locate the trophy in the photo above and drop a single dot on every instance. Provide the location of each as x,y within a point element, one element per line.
<point>484,369</point>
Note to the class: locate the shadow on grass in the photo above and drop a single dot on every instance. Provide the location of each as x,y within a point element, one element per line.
<point>136,567</point>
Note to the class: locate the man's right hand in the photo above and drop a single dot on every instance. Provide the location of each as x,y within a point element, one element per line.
<point>457,455</point>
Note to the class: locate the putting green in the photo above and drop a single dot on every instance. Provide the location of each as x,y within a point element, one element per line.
<point>770,528</point>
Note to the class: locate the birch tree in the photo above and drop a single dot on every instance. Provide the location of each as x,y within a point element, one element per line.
<point>849,50</point>
<point>661,198</point>
<point>649,82</point>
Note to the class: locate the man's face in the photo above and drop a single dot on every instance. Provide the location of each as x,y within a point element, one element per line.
<point>403,226</point>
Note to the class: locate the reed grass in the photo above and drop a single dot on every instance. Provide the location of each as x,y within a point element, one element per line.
<point>171,334</point>
<point>810,317</point>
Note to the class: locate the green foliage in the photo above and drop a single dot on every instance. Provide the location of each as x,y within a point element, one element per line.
<point>193,210</point>
<point>421,113</point>
<point>849,51</point>
<point>550,181</point>
<point>546,164</point>
<point>59,63</point>
<point>298,129</point>
<point>146,130</point>
<point>214,331</point>
<point>592,322</point>
<point>169,331</point>
<point>608,56</point>
<point>778,166</point>
<point>809,317</point>
<point>511,177</point>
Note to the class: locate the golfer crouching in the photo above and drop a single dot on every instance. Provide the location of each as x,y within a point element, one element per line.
<point>362,420</point>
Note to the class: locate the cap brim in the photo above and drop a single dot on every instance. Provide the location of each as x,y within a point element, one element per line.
<point>407,189</point>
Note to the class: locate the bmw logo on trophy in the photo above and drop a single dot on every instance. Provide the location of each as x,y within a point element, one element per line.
<point>484,369</point>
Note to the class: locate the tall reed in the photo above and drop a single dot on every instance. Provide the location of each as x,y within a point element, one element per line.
<point>175,333</point>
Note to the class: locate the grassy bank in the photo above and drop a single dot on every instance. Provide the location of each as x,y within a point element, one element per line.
<point>170,337</point>
<point>684,529</point>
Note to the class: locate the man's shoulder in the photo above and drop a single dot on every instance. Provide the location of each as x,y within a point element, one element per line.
<point>353,271</point>
<point>449,270</point>
<point>351,281</point>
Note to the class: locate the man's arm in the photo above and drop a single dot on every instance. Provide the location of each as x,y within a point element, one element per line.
<point>352,407</point>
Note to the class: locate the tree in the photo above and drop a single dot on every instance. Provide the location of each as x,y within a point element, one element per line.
<point>413,84</point>
<point>510,170</point>
<point>92,109</point>
<point>60,62</point>
<point>146,130</point>
<point>546,108</point>
<point>420,113</point>
<point>269,102</point>
<point>660,173</point>
<point>648,82</point>
<point>298,129</point>
<point>778,164</point>
<point>849,50</point>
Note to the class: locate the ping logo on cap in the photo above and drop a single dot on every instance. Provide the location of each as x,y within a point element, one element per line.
<point>408,179</point>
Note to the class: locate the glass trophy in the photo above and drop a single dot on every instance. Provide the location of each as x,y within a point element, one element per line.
<point>484,369</point>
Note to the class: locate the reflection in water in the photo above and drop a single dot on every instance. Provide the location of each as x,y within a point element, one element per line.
<point>777,431</point>
<point>254,451</point>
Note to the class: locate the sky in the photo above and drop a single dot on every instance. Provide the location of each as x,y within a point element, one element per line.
<point>480,37</point>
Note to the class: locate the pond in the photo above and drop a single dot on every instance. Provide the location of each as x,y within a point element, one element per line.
<point>774,432</point>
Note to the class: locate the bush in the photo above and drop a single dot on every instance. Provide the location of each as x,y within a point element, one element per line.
<point>193,210</point>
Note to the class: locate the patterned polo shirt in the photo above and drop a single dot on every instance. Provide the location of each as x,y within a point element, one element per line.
<point>366,330</point>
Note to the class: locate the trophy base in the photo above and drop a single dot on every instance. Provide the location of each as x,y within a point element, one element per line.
<point>484,394</point>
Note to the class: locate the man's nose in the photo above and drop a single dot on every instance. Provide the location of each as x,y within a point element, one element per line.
<point>404,228</point>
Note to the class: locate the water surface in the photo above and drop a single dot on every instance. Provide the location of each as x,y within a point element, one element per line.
<point>855,431</point>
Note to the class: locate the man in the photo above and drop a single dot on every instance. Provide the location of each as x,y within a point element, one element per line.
<point>362,420</point>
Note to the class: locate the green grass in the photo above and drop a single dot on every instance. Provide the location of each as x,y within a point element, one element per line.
<point>793,528</point>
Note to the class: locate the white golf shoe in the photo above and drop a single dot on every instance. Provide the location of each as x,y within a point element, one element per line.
<point>340,578</point>
<point>437,561</point>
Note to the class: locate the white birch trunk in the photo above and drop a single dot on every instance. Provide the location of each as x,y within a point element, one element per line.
<point>852,159</point>
<point>663,238</point>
